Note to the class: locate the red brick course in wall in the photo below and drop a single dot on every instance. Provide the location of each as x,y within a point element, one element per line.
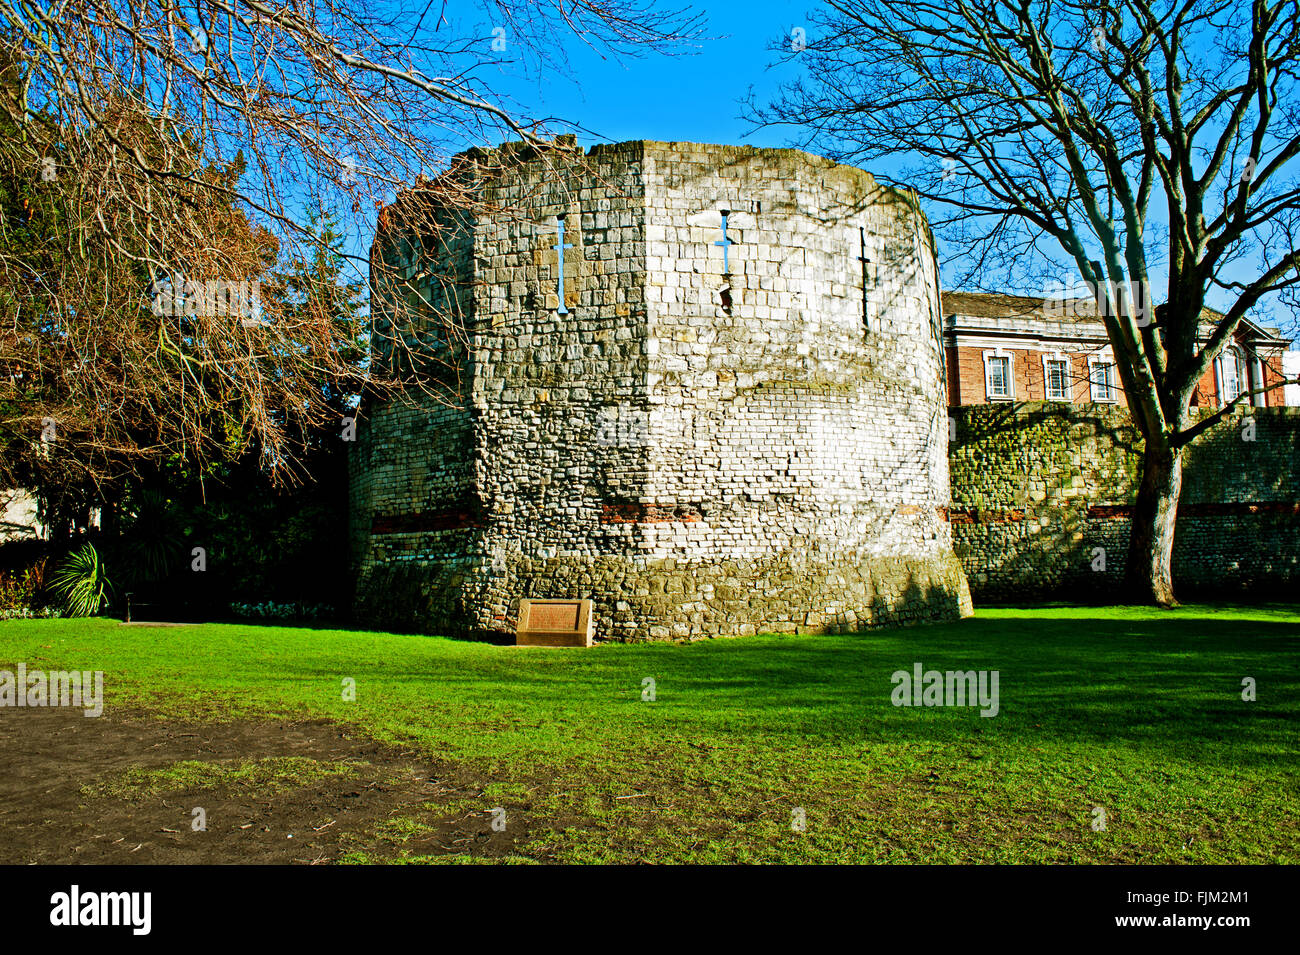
<point>984,515</point>
<point>450,519</point>
<point>1207,509</point>
<point>649,513</point>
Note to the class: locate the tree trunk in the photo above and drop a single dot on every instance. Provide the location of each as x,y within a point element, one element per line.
<point>1148,571</point>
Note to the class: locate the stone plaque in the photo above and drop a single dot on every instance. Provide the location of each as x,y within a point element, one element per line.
<point>554,623</point>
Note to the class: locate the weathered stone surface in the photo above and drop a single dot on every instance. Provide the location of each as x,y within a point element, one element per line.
<point>701,454</point>
<point>1038,487</point>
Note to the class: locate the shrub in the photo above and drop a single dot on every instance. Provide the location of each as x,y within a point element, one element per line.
<point>82,582</point>
<point>269,610</point>
<point>27,613</point>
<point>17,590</point>
<point>22,579</point>
<point>153,541</point>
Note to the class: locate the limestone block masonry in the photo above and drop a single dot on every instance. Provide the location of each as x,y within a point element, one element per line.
<point>1042,494</point>
<point>702,452</point>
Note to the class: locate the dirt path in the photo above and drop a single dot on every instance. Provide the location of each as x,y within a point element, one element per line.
<point>122,789</point>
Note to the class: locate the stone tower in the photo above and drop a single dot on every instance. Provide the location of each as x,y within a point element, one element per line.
<point>731,420</point>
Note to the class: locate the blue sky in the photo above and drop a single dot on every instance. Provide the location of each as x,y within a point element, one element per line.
<point>693,94</point>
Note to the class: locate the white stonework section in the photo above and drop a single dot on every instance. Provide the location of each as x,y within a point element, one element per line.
<point>700,453</point>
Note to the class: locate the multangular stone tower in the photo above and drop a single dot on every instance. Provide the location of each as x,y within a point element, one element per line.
<point>701,385</point>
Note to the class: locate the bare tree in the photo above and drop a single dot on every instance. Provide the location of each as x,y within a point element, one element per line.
<point>159,156</point>
<point>1133,138</point>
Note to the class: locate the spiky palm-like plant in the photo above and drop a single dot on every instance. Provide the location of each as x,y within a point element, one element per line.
<point>82,582</point>
<point>153,539</point>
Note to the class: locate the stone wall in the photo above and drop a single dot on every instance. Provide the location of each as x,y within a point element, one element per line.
<point>702,452</point>
<point>19,515</point>
<point>1039,488</point>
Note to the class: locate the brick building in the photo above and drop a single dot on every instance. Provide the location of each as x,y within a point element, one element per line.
<point>1015,348</point>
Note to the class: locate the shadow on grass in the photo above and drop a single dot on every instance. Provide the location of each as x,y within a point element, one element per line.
<point>1149,678</point>
<point>1157,681</point>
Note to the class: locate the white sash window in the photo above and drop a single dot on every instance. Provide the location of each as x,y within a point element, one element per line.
<point>1101,376</point>
<point>998,376</point>
<point>1056,377</point>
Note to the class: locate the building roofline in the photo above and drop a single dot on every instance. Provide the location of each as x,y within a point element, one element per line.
<point>1025,316</point>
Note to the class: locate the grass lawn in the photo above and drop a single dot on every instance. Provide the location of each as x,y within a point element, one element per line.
<point>1133,711</point>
